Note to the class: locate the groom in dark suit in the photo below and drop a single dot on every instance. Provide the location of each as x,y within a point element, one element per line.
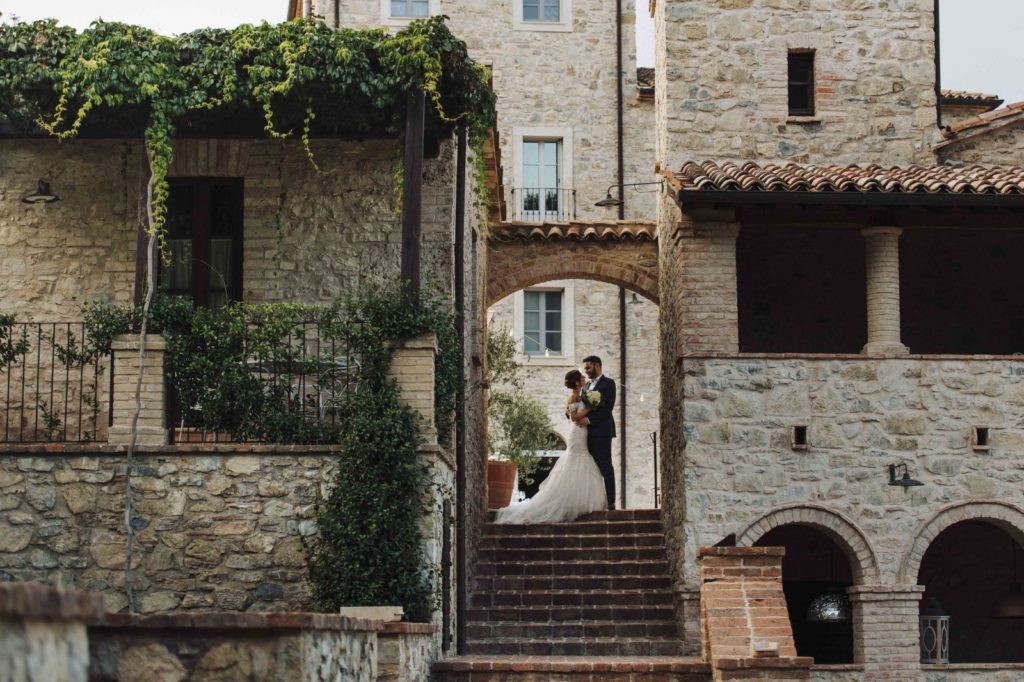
<point>602,423</point>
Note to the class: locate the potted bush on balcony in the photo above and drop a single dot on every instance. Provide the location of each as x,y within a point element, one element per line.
<point>519,424</point>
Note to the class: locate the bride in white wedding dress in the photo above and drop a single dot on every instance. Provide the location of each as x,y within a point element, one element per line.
<point>575,486</point>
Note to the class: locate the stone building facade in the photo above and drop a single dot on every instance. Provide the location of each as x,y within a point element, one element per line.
<point>804,348</point>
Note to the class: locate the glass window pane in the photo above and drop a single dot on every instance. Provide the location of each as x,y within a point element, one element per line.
<point>531,300</point>
<point>531,321</point>
<point>554,300</point>
<point>531,344</point>
<point>220,266</point>
<point>420,8</point>
<point>531,152</point>
<point>554,342</point>
<point>530,12</point>
<point>551,10</point>
<point>553,321</point>
<point>177,275</point>
<point>398,8</point>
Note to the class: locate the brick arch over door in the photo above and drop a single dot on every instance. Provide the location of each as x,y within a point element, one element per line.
<point>841,530</point>
<point>1006,516</point>
<point>521,255</point>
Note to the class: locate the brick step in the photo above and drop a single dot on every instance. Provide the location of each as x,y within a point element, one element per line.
<point>573,541</point>
<point>613,515</point>
<point>571,669</point>
<point>582,629</point>
<point>573,568</point>
<point>602,646</point>
<point>635,597</point>
<point>549,614</point>
<point>526,583</point>
<point>562,554</point>
<point>567,530</point>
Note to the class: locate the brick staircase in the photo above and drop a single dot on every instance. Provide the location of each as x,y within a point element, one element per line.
<point>587,600</point>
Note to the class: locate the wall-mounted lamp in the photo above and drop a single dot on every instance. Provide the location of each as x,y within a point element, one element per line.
<point>609,200</point>
<point>41,195</point>
<point>904,481</point>
<point>635,301</point>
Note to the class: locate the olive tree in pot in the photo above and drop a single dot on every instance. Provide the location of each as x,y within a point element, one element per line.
<point>518,426</point>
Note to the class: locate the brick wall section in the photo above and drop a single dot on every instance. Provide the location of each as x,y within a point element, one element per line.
<point>745,623</point>
<point>885,631</point>
<point>412,367</point>
<point>883,290</point>
<point>151,426</point>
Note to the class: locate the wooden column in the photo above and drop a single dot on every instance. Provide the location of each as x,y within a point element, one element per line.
<point>412,192</point>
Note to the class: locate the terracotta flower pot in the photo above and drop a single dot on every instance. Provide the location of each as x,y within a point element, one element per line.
<point>501,479</point>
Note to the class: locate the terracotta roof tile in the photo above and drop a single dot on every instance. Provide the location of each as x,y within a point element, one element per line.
<point>751,177</point>
<point>965,98</point>
<point>575,231</point>
<point>989,118</point>
<point>645,77</point>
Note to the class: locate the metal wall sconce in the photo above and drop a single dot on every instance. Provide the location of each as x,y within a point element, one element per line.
<point>934,623</point>
<point>904,481</point>
<point>609,200</point>
<point>41,195</point>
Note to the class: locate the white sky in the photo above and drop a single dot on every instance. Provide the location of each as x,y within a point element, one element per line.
<point>980,38</point>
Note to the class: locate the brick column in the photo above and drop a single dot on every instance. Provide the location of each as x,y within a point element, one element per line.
<point>886,637</point>
<point>152,425</point>
<point>701,295</point>
<point>883,290</point>
<point>412,367</point>
<point>744,618</point>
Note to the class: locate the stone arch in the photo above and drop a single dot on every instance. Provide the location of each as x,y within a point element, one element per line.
<point>1006,516</point>
<point>840,529</point>
<point>524,255</point>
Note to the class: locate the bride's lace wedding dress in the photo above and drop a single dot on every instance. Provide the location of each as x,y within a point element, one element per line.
<point>573,488</point>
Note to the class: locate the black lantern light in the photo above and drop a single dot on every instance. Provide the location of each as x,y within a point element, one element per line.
<point>609,200</point>
<point>833,606</point>
<point>904,481</point>
<point>41,195</point>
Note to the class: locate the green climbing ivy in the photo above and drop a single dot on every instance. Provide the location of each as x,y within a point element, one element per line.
<point>299,78</point>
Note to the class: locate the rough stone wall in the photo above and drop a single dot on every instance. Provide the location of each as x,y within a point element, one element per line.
<point>722,81</point>
<point>308,236</point>
<point>957,113</point>
<point>554,79</point>
<point>1000,146</point>
<point>596,330</point>
<point>861,414</point>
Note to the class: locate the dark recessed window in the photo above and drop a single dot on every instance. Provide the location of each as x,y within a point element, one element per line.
<point>801,83</point>
<point>204,240</point>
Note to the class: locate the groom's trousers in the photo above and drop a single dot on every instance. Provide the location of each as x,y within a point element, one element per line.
<point>601,451</point>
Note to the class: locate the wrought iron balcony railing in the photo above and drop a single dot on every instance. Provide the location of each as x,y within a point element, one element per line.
<point>539,204</point>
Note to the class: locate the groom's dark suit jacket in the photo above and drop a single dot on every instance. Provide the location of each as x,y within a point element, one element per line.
<point>602,421</point>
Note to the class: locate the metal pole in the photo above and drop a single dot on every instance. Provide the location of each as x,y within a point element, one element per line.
<point>412,193</point>
<point>460,398</point>
<point>622,397</point>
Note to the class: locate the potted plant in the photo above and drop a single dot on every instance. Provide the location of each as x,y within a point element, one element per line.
<point>519,424</point>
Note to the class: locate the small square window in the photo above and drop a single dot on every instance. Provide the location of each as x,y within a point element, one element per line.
<point>981,439</point>
<point>799,438</point>
<point>542,10</point>
<point>410,8</point>
<point>801,83</point>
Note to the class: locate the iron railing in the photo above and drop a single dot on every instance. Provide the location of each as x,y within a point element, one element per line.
<point>539,204</point>
<point>300,379</point>
<point>50,386</point>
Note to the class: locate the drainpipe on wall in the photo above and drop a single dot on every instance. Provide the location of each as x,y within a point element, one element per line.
<point>623,390</point>
<point>460,397</point>
<point>622,214</point>
<point>938,69</point>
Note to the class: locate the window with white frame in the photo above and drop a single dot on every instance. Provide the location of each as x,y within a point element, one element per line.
<point>410,8</point>
<point>542,194</point>
<point>542,322</point>
<point>542,15</point>
<point>542,10</point>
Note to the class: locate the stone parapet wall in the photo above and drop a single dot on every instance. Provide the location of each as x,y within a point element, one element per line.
<point>995,144</point>
<point>722,81</point>
<point>218,527</point>
<point>862,414</point>
<point>42,632</point>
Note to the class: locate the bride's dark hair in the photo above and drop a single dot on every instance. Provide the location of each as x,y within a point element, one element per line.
<point>572,377</point>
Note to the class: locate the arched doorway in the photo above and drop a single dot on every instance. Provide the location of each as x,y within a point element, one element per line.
<point>554,324</point>
<point>815,567</point>
<point>967,571</point>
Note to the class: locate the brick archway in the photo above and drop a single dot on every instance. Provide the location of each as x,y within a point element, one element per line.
<point>841,530</point>
<point>520,255</point>
<point>1006,516</point>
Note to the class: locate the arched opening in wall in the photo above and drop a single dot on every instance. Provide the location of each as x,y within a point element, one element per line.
<point>553,326</point>
<point>967,572</point>
<point>815,572</point>
<point>801,290</point>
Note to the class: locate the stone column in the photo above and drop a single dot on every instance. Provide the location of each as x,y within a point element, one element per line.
<point>883,290</point>
<point>412,368</point>
<point>152,425</point>
<point>886,632</point>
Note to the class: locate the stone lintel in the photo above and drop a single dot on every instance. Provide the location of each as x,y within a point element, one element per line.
<point>740,552</point>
